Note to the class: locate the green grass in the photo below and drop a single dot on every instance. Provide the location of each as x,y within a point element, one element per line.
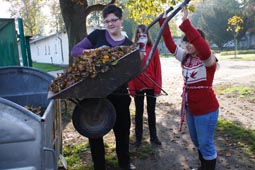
<point>166,55</point>
<point>47,67</point>
<point>143,152</point>
<point>236,136</point>
<point>241,91</point>
<point>245,55</point>
<point>76,155</point>
<point>247,92</point>
<point>232,52</point>
<point>111,157</point>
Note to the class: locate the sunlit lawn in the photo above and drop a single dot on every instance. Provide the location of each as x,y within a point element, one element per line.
<point>47,67</point>
<point>246,57</point>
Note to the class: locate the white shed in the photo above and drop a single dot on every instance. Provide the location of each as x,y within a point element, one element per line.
<point>50,49</point>
<point>53,49</point>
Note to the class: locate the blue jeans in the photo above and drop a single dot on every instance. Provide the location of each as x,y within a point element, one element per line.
<point>201,130</point>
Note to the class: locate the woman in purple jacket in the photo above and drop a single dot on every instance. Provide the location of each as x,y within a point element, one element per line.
<point>111,36</point>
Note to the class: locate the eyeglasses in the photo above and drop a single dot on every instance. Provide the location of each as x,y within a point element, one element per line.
<point>111,21</point>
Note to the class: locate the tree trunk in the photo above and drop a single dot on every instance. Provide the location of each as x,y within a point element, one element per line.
<point>75,22</point>
<point>235,47</point>
<point>75,16</point>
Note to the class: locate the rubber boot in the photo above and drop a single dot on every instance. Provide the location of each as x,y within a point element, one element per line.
<point>202,161</point>
<point>209,164</point>
<point>153,132</point>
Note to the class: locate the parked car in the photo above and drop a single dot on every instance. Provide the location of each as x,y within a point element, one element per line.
<point>229,44</point>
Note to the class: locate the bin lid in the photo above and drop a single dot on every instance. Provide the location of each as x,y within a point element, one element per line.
<point>25,85</point>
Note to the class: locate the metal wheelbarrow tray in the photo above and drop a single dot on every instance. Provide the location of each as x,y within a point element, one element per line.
<point>103,84</point>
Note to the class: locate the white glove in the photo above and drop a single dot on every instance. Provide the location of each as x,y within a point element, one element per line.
<point>142,41</point>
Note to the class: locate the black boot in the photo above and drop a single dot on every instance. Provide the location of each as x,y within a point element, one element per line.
<point>202,161</point>
<point>153,134</point>
<point>209,164</point>
<point>130,166</point>
<point>155,140</point>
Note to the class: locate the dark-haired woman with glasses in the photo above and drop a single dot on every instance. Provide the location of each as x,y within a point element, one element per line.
<point>111,36</point>
<point>143,86</point>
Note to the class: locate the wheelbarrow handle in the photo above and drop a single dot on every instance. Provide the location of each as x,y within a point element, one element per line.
<point>157,19</point>
<point>182,5</point>
<point>155,83</point>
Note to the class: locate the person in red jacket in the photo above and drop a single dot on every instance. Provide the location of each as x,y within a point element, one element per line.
<point>142,86</point>
<point>199,100</point>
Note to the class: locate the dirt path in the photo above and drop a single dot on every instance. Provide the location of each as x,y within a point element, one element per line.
<point>177,152</point>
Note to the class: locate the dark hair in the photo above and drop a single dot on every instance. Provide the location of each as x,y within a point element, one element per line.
<point>143,28</point>
<point>109,9</point>
<point>201,33</point>
<point>185,58</point>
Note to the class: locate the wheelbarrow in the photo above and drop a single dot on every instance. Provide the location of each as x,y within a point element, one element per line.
<point>94,115</point>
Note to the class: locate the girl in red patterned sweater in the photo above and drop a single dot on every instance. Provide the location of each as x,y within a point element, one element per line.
<point>199,100</point>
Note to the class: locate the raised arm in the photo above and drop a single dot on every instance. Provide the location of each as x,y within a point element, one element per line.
<point>167,37</point>
<point>195,38</point>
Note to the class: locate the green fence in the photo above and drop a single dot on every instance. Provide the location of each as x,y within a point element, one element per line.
<point>8,43</point>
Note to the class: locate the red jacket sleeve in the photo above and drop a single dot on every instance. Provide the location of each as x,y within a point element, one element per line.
<point>196,39</point>
<point>167,37</point>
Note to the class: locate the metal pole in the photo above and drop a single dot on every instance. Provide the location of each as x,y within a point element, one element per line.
<point>61,46</point>
<point>28,52</point>
<point>182,5</point>
<point>22,42</point>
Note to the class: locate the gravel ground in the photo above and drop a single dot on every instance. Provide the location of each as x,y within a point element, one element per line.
<point>177,152</point>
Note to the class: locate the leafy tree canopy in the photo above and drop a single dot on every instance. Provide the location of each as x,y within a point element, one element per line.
<point>144,11</point>
<point>212,17</point>
<point>30,12</point>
